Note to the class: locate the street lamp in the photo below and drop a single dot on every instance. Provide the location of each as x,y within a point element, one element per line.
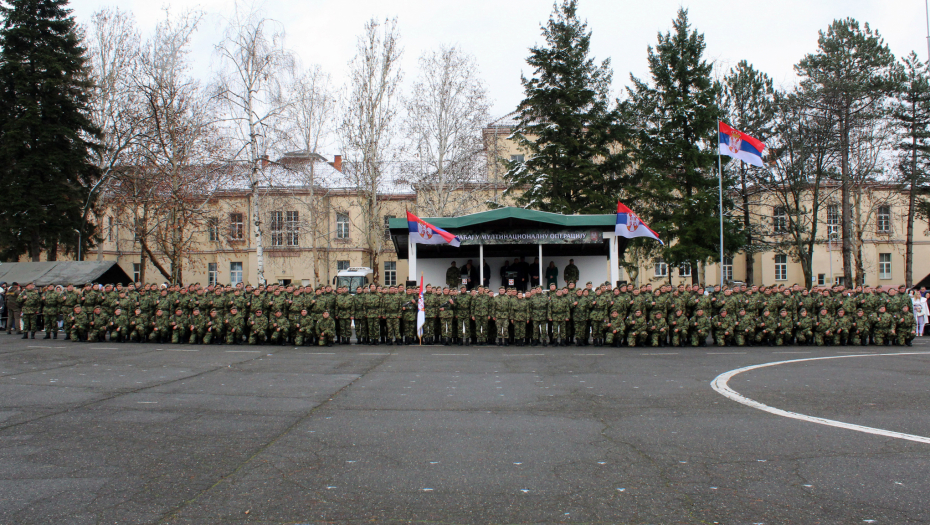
<point>84,211</point>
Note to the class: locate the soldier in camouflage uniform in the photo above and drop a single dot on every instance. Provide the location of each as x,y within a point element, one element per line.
<point>258,327</point>
<point>500,314</point>
<point>804,328</point>
<point>862,329</point>
<point>409,309</point>
<point>446,317</point>
<point>325,330</point>
<point>539,317</point>
<point>699,328</point>
<point>345,314</point>
<point>235,326</point>
<point>520,314</point>
<point>80,324</point>
<point>51,306</point>
<point>906,327</point>
<point>658,329</point>
<point>463,316</point>
<point>31,302</point>
<point>600,304</point>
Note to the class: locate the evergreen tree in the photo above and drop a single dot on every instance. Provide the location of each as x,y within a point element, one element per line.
<point>46,136</point>
<point>912,114</point>
<point>567,125</point>
<point>749,106</point>
<point>676,161</point>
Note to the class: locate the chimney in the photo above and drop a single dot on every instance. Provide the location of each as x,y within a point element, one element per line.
<point>337,162</point>
<point>265,161</point>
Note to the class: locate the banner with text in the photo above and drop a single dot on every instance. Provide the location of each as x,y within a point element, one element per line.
<point>531,237</point>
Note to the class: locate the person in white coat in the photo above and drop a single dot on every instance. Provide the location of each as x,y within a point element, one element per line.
<point>919,308</point>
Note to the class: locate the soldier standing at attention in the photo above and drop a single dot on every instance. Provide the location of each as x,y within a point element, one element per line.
<point>463,316</point>
<point>13,309</point>
<point>446,316</point>
<point>361,315</point>
<point>521,314</point>
<point>51,303</point>
<point>480,314</point>
<point>409,309</point>
<point>571,273</point>
<point>500,314</point>
<point>453,277</point>
<point>345,310</point>
<point>431,309</point>
<point>32,307</point>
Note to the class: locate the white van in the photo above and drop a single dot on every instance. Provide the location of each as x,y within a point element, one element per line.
<point>353,277</point>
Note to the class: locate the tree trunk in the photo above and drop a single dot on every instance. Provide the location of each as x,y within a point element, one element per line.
<point>846,213</point>
<point>257,223</point>
<point>155,263</point>
<point>35,247</point>
<point>52,253</point>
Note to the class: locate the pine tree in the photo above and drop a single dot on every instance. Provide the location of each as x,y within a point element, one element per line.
<point>749,106</point>
<point>567,125</point>
<point>912,114</point>
<point>46,136</point>
<point>676,174</point>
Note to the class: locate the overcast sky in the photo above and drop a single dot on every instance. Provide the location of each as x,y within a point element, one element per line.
<point>772,36</point>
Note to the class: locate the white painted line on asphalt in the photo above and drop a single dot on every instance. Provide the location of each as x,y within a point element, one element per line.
<point>147,402</point>
<point>662,353</point>
<point>374,353</point>
<point>519,355</point>
<point>720,385</point>
<point>857,353</point>
<point>726,353</point>
<point>103,348</point>
<point>38,347</point>
<point>321,353</point>
<point>449,354</point>
<point>791,352</point>
<point>182,350</point>
<point>589,354</point>
<point>243,351</point>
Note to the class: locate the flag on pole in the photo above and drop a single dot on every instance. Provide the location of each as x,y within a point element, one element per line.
<point>421,310</point>
<point>740,146</point>
<point>630,226</point>
<point>422,232</point>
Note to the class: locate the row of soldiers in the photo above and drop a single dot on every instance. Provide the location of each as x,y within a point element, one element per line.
<point>627,315</point>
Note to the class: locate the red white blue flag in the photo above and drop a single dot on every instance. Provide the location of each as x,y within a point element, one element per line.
<point>740,146</point>
<point>629,225</point>
<point>422,232</point>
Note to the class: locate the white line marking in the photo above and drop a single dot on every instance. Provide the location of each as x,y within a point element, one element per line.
<point>38,347</point>
<point>726,353</point>
<point>660,353</point>
<point>321,353</point>
<point>182,350</point>
<point>449,354</point>
<point>519,355</point>
<point>720,385</point>
<point>103,348</point>
<point>243,351</point>
<point>374,353</point>
<point>791,352</point>
<point>590,354</point>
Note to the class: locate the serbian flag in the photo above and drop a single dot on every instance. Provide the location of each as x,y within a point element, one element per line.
<point>630,226</point>
<point>423,232</point>
<point>421,310</point>
<point>740,146</point>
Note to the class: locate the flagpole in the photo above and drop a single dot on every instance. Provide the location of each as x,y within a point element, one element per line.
<point>420,296</point>
<point>720,181</point>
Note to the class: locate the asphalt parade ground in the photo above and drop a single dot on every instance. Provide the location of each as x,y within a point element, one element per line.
<point>100,433</point>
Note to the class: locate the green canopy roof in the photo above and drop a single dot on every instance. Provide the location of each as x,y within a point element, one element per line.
<point>569,221</point>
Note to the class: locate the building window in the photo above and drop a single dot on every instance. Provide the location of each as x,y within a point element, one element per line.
<point>136,229</point>
<point>236,226</point>
<point>390,273</point>
<point>661,268</point>
<point>292,228</point>
<point>833,222</point>
<point>387,226</point>
<point>110,229</point>
<point>277,228</point>
<point>517,158</point>
<point>342,225</point>
<point>235,273</point>
<point>342,265</point>
<point>684,270</point>
<point>884,266</point>
<point>821,279</point>
<point>136,272</point>
<point>781,267</point>
<point>728,268</point>
<point>780,220</point>
<point>884,219</point>
<point>213,228</point>
<point>211,274</point>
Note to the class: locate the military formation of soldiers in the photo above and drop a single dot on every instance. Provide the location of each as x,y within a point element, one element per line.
<point>623,316</point>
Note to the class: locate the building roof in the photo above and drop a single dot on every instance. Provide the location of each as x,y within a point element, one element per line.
<point>63,272</point>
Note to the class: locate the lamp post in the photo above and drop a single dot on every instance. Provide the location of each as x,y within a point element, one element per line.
<point>84,212</point>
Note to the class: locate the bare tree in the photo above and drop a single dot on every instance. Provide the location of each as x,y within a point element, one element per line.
<point>171,175</point>
<point>113,52</point>
<point>310,119</point>
<point>368,126</point>
<point>446,111</point>
<point>251,87</point>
